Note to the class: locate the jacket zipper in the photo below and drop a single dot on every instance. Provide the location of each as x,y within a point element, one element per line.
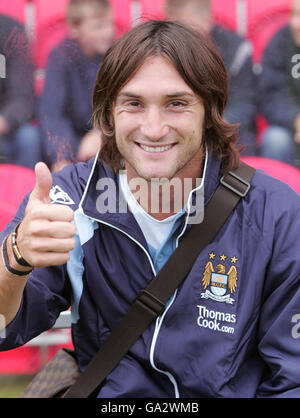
<point>159,319</point>
<point>158,324</point>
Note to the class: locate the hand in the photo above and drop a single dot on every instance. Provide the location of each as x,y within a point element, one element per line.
<point>297,137</point>
<point>4,127</point>
<point>45,236</point>
<point>89,145</point>
<point>297,129</point>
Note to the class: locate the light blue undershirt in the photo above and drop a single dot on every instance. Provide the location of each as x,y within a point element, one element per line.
<point>160,236</point>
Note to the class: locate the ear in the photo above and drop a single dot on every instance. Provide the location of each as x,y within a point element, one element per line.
<point>110,117</point>
<point>207,124</point>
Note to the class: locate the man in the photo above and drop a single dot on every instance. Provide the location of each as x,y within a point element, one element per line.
<point>17,135</point>
<point>159,99</point>
<point>280,93</point>
<point>236,53</point>
<point>65,109</point>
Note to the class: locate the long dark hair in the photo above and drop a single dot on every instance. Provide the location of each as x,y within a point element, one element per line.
<point>196,60</point>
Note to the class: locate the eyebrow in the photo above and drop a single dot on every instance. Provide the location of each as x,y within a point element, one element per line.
<point>128,94</point>
<point>169,96</point>
<point>180,94</point>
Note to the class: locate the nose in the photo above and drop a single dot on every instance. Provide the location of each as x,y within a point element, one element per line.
<point>154,126</point>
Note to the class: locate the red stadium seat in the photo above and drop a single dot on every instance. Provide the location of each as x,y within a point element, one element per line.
<point>49,10</point>
<point>281,171</point>
<point>261,126</point>
<point>22,360</point>
<point>265,18</point>
<point>122,16</point>
<point>15,182</point>
<point>31,357</point>
<point>152,9</point>
<point>14,8</point>
<point>225,13</point>
<point>51,28</point>
<point>258,9</point>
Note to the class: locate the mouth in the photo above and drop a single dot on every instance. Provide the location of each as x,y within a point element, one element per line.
<point>156,149</point>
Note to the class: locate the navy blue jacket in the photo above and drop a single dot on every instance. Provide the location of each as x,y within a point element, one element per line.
<point>241,342</point>
<point>65,109</point>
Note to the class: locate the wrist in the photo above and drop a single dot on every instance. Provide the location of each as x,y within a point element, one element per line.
<point>9,263</point>
<point>15,249</point>
<point>11,258</point>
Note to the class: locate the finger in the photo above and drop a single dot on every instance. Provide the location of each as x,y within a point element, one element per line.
<point>61,230</point>
<point>50,212</point>
<point>53,229</point>
<point>56,245</point>
<point>61,213</point>
<point>50,259</point>
<point>43,183</point>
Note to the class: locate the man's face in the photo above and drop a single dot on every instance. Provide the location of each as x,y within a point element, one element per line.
<point>295,21</point>
<point>94,33</point>
<point>159,123</point>
<point>188,15</point>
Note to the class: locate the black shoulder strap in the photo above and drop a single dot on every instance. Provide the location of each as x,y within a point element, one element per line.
<point>151,302</point>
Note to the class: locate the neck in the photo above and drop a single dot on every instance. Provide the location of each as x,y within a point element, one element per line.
<point>168,197</point>
<point>162,198</point>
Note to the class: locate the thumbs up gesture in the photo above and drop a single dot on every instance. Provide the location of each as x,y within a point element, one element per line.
<point>43,183</point>
<point>46,234</point>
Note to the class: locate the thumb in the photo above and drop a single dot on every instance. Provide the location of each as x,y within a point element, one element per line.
<point>43,183</point>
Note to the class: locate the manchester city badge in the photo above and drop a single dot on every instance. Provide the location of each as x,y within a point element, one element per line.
<point>218,284</point>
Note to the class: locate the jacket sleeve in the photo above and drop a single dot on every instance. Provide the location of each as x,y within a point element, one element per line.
<point>46,295</point>
<point>279,326</point>
<point>58,134</point>
<point>275,104</point>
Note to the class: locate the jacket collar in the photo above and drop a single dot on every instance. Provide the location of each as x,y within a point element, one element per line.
<point>101,198</point>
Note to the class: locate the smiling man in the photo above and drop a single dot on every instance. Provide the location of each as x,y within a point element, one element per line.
<point>159,132</point>
<point>229,330</point>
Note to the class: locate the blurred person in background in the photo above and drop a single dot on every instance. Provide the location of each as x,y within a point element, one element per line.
<point>280,92</point>
<point>236,53</point>
<point>19,140</point>
<point>65,109</point>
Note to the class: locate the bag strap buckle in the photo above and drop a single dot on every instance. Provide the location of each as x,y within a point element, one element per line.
<point>241,188</point>
<point>149,301</point>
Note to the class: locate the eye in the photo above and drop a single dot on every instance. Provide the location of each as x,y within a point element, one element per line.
<point>177,104</point>
<point>133,104</point>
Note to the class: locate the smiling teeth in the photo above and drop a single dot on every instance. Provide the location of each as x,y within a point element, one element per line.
<point>155,149</point>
